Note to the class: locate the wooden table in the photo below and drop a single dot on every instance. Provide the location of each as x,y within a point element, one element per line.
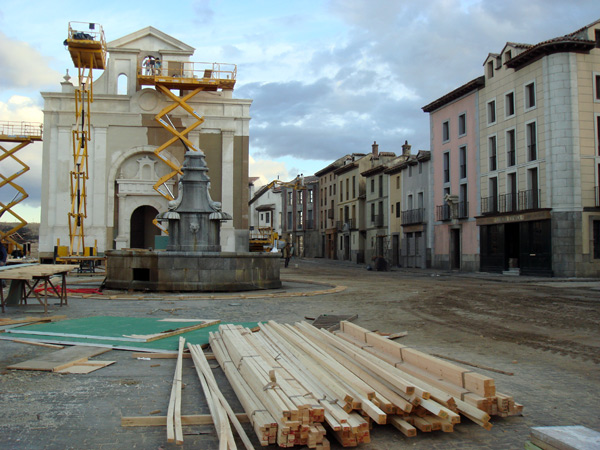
<point>30,275</point>
<point>86,263</point>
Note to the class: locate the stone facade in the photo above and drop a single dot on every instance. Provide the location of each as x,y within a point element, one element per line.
<point>122,164</point>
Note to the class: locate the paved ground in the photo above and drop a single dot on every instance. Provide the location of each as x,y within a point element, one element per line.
<point>545,331</point>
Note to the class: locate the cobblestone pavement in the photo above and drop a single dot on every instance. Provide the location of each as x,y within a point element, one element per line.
<point>545,331</point>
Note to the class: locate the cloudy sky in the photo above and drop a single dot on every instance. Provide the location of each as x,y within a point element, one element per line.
<point>327,77</point>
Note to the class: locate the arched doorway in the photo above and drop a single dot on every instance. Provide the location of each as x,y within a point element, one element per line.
<point>141,228</point>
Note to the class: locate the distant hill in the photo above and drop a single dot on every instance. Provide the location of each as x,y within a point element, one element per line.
<point>29,233</point>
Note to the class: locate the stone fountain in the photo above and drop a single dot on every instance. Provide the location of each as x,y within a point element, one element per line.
<point>193,260</point>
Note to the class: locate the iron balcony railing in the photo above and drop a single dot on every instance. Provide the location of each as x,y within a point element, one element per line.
<point>412,216</point>
<point>452,211</point>
<point>506,203</point>
<point>377,220</point>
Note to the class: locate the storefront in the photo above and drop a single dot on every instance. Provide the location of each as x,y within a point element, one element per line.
<point>516,241</point>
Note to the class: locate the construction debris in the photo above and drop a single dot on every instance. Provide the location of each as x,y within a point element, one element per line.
<point>64,361</point>
<point>292,381</point>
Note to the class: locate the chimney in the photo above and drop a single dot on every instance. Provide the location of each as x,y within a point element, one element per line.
<point>406,149</point>
<point>375,149</point>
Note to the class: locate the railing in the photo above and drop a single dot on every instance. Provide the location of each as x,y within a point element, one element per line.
<point>86,31</point>
<point>489,205</point>
<point>20,129</point>
<point>452,211</point>
<point>411,216</point>
<point>523,201</point>
<point>377,220</point>
<point>508,202</point>
<point>442,212</point>
<point>185,69</point>
<point>529,199</point>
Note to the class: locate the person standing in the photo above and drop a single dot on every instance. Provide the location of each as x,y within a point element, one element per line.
<point>287,253</point>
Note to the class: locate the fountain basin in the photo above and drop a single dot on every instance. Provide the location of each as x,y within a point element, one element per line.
<point>191,271</point>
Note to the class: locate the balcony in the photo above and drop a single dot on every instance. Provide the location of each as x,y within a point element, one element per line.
<point>452,211</point>
<point>413,216</point>
<point>507,203</point>
<point>377,220</point>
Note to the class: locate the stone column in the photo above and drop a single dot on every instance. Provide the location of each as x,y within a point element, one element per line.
<point>122,240</point>
<point>227,174</point>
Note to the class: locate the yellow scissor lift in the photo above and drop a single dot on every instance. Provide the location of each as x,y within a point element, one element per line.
<point>87,46</point>
<point>19,135</point>
<point>193,77</point>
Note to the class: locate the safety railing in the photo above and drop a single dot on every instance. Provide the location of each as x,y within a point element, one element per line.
<point>21,129</point>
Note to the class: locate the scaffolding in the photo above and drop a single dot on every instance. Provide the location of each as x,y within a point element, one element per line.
<point>18,135</point>
<point>87,45</point>
<point>193,77</point>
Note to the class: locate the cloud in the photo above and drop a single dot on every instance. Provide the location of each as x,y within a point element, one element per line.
<point>267,171</point>
<point>23,66</point>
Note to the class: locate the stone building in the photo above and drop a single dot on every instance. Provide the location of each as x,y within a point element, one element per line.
<point>539,122</point>
<point>454,145</point>
<point>300,217</point>
<point>121,201</point>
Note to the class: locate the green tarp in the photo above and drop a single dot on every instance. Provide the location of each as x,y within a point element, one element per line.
<point>106,331</point>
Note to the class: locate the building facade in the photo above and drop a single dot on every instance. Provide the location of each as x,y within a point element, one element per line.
<point>121,201</point>
<point>454,135</point>
<point>539,157</point>
<point>300,212</point>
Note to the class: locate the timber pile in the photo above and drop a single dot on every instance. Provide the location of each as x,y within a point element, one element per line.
<point>292,380</point>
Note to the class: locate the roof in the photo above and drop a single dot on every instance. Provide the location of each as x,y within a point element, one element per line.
<point>457,93</point>
<point>577,41</point>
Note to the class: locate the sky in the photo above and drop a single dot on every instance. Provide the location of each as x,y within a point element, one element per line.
<point>327,78</point>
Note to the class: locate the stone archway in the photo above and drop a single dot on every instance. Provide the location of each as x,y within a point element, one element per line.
<point>141,229</point>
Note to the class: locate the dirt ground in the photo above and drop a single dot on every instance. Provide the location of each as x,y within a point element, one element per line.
<point>545,332</point>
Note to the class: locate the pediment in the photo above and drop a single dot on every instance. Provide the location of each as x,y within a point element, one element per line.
<point>150,39</point>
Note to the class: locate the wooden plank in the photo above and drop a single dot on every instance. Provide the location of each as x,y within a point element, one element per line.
<point>153,355</point>
<point>566,438</point>
<point>39,344</point>
<point>28,320</point>
<point>169,333</point>
<point>60,358</point>
<point>85,367</point>
<point>161,421</point>
<point>403,426</point>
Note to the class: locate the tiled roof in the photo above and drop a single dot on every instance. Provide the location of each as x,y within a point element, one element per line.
<point>455,94</point>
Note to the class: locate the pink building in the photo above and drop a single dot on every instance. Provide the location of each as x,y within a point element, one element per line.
<point>454,149</point>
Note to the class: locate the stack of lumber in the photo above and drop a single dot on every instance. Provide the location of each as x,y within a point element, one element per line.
<point>292,380</point>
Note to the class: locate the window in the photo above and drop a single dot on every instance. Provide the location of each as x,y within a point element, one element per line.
<point>509,104</point>
<point>398,179</point>
<point>409,171</point>
<point>446,167</point>
<point>372,184</point>
<point>597,85</point>
<point>493,195</point>
<point>530,96</point>
<point>462,125</point>
<point>446,131</point>
<point>491,112</point>
<point>347,188</point>
<point>290,200</point>
<point>531,142</point>
<point>353,186</point>
<point>462,201</point>
<point>492,153</point>
<point>310,196</point>
<point>532,200</point>
<point>122,84</point>
<point>596,231</point>
<point>410,202</point>
<point>420,168</point>
<point>300,223</point>
<point>598,134</point>
<point>397,209</point>
<point>381,185</point>
<point>463,162</point>
<point>261,217</point>
<point>372,212</point>
<point>490,69</point>
<point>507,56</point>
<point>334,189</point>
<point>511,143</point>
<point>300,197</point>
<point>289,221</point>
<point>267,217</point>
<point>511,190</point>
